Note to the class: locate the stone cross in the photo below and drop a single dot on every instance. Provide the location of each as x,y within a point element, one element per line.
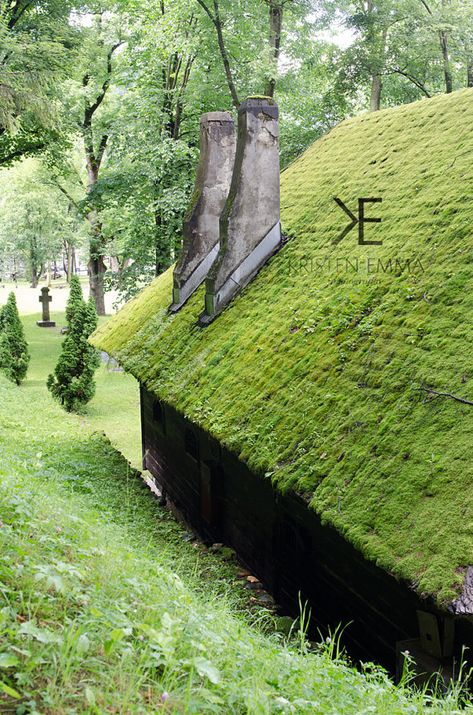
<point>45,299</point>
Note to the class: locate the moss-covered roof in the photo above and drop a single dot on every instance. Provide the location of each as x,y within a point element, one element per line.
<point>317,375</point>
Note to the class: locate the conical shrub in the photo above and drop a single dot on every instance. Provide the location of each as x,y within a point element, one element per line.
<point>72,382</point>
<point>14,356</point>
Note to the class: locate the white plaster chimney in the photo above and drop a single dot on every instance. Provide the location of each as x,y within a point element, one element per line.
<point>250,229</point>
<point>201,224</point>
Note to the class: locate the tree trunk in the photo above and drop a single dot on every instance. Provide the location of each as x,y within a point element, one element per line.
<point>447,71</point>
<point>34,263</point>
<point>161,260</point>
<point>226,63</point>
<point>34,277</point>
<point>376,38</point>
<point>376,89</point>
<point>96,270</point>
<point>94,154</point>
<point>217,22</point>
<point>69,261</point>
<point>275,28</point>
<point>469,73</point>
<point>96,266</point>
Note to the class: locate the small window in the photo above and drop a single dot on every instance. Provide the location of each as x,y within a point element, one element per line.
<point>191,444</point>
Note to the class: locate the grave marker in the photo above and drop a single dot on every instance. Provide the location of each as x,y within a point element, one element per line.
<point>45,299</point>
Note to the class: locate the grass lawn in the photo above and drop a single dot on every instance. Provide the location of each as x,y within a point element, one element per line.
<point>106,608</point>
<point>115,407</point>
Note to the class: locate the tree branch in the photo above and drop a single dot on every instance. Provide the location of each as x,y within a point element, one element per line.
<point>92,108</point>
<point>184,82</point>
<point>207,10</point>
<point>101,150</point>
<point>27,149</point>
<point>17,11</point>
<point>275,29</point>
<point>446,394</point>
<point>72,201</point>
<point>412,79</point>
<point>94,159</point>
<point>427,7</point>
<point>217,22</point>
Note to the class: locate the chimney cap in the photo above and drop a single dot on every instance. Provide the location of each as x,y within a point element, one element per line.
<point>216,117</point>
<point>256,104</point>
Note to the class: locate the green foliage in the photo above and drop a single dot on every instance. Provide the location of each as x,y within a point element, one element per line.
<point>136,112</point>
<point>36,45</point>
<point>152,201</point>
<point>72,383</point>
<point>400,42</point>
<point>107,608</point>
<point>314,376</point>
<point>166,74</point>
<point>14,357</point>
<point>75,301</point>
<point>35,220</point>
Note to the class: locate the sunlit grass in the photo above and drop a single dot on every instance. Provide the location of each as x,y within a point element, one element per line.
<point>115,407</point>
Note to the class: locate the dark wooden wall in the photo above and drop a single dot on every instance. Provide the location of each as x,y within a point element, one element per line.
<point>281,540</point>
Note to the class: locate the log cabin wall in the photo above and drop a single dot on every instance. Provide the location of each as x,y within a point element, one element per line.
<point>284,543</point>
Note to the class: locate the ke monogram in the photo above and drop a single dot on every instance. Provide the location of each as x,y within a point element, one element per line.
<point>360,220</point>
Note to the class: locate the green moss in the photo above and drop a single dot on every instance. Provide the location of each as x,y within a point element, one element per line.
<point>313,375</point>
<point>194,200</point>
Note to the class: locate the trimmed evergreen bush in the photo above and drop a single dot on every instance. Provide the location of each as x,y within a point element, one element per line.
<point>72,382</point>
<point>75,300</point>
<point>14,357</point>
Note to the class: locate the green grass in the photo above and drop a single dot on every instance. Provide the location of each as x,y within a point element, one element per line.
<point>315,377</point>
<point>104,608</point>
<point>115,407</point>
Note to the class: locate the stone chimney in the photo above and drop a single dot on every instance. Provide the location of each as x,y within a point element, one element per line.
<point>201,224</point>
<point>250,229</point>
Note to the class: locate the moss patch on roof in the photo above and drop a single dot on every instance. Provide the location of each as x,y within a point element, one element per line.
<point>317,375</point>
